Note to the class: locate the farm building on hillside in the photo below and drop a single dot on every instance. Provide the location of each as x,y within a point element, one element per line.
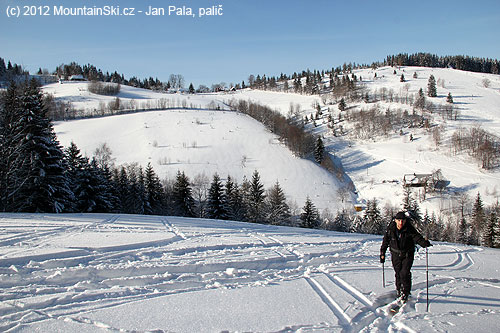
<point>417,180</point>
<point>78,77</point>
<point>429,182</point>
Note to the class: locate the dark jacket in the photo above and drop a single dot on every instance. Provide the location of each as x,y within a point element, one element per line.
<point>402,242</point>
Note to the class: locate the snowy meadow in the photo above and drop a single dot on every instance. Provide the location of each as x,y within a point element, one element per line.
<point>99,272</point>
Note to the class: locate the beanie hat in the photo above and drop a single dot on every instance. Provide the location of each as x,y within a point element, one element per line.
<point>400,216</point>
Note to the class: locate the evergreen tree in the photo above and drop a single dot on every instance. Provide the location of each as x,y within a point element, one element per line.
<point>3,69</point>
<point>155,194</point>
<point>234,201</point>
<point>407,198</point>
<point>319,150</point>
<point>45,187</point>
<point>342,221</point>
<point>216,200</point>
<point>12,160</point>
<point>449,99</point>
<point>108,179</point>
<point>278,209</point>
<point>342,105</point>
<point>122,188</point>
<point>94,191</point>
<point>431,87</point>
<point>426,225</point>
<point>357,224</point>
<point>420,100</point>
<point>182,198</point>
<point>463,231</point>
<point>105,198</point>
<point>373,221</point>
<point>410,205</point>
<point>450,233</point>
<point>488,235</point>
<point>434,228</point>
<point>191,89</point>
<point>75,170</point>
<point>256,211</point>
<point>245,190</point>
<point>496,230</point>
<point>135,201</point>
<point>478,220</point>
<point>310,215</point>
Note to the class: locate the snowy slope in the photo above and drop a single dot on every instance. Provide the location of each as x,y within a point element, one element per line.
<point>389,159</point>
<point>204,142</point>
<point>478,104</point>
<point>92,273</point>
<point>377,166</point>
<point>87,103</point>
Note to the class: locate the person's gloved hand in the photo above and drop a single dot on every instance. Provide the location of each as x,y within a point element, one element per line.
<point>427,243</point>
<point>382,258</point>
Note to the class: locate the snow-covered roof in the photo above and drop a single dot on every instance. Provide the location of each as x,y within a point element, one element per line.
<point>76,78</point>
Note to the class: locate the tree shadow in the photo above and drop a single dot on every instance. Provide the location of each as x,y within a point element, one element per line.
<point>357,161</point>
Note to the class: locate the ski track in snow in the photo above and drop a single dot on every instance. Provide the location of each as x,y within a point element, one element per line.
<point>65,282</point>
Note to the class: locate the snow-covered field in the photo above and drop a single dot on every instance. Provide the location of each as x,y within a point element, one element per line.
<point>88,103</point>
<point>90,273</point>
<point>204,142</point>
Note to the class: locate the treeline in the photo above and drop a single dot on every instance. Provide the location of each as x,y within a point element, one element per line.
<point>10,71</point>
<point>106,89</point>
<point>293,135</point>
<point>15,72</point>
<point>335,81</point>
<point>175,82</point>
<point>92,73</point>
<point>62,110</point>
<point>473,223</point>
<point>465,63</point>
<point>323,81</point>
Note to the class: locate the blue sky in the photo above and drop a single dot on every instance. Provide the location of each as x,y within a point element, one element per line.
<point>251,37</point>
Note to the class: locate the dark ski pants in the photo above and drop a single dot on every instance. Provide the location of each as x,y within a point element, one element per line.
<point>402,262</point>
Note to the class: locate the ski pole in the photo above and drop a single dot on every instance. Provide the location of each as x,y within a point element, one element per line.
<point>383,275</point>
<point>427,274</point>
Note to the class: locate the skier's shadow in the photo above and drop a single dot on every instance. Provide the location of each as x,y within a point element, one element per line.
<point>465,300</point>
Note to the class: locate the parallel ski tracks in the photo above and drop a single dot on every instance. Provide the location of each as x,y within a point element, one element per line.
<point>338,311</point>
<point>371,314</point>
<point>172,270</point>
<point>172,228</point>
<point>59,296</point>
<point>33,236</point>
